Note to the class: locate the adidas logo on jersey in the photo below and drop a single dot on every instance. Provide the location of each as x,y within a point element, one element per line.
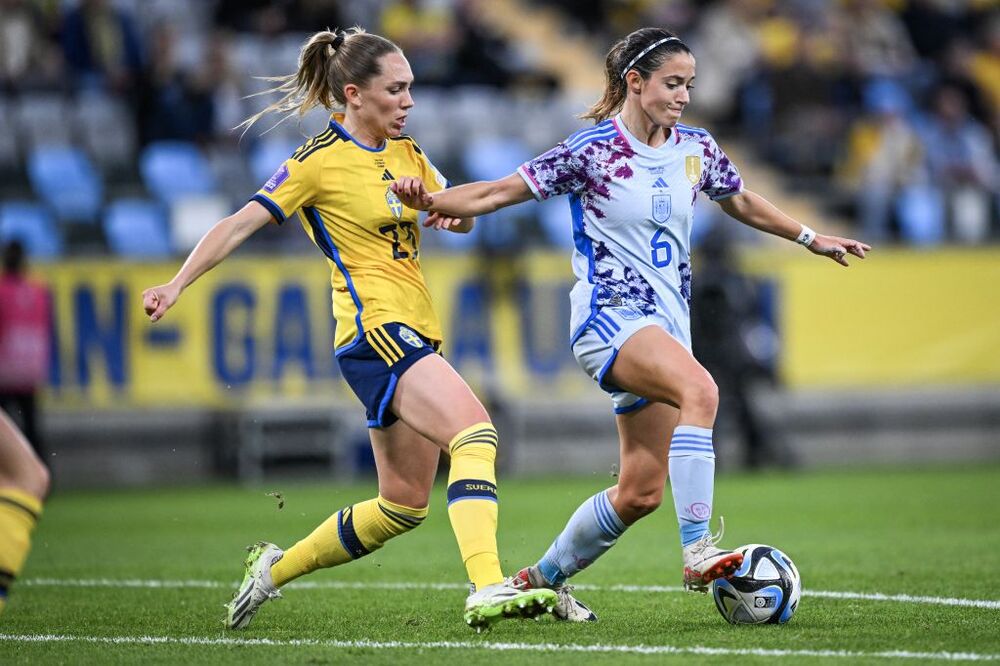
<point>660,183</point>
<point>387,176</point>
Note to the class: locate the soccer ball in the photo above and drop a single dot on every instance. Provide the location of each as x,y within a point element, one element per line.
<point>764,590</point>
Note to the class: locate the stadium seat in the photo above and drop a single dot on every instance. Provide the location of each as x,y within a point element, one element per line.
<point>107,130</point>
<point>175,169</point>
<point>33,225</point>
<point>231,173</point>
<point>922,213</point>
<point>64,178</point>
<point>42,119</point>
<point>191,216</point>
<point>471,107</point>
<point>9,156</point>
<point>137,228</point>
<point>267,156</point>
<point>556,222</point>
<point>431,123</point>
<point>490,157</point>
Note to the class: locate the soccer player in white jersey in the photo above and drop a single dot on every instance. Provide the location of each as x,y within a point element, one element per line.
<point>632,182</point>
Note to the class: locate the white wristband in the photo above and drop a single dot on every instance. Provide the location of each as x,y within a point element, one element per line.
<point>806,237</point>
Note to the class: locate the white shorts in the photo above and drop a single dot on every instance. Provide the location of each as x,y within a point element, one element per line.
<point>596,346</point>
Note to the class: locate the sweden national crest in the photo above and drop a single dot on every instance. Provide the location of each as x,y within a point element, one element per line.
<point>410,338</point>
<point>661,207</point>
<point>692,168</point>
<point>395,205</point>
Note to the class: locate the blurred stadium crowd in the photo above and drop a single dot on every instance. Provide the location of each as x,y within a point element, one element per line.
<point>117,114</point>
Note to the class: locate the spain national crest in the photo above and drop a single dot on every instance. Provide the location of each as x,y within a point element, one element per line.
<point>395,205</point>
<point>661,207</point>
<point>692,168</point>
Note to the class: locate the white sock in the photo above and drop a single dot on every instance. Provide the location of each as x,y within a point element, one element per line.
<point>592,529</point>
<point>692,480</point>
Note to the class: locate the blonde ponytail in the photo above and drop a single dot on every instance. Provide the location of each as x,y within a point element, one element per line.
<point>328,61</point>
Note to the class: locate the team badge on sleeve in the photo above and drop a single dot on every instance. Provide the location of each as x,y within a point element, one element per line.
<point>692,168</point>
<point>441,180</point>
<point>661,207</point>
<point>395,205</point>
<point>280,176</point>
<point>410,338</point>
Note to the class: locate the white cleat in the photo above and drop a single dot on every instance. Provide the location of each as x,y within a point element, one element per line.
<point>567,608</point>
<point>256,587</point>
<point>703,562</point>
<point>503,600</point>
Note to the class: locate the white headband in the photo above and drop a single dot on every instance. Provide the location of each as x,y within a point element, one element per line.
<point>647,50</point>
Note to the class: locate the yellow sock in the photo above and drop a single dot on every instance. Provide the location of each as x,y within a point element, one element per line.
<point>472,502</point>
<point>19,512</point>
<point>350,533</point>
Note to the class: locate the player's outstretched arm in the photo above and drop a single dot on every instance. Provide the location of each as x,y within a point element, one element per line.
<point>754,210</point>
<point>413,193</point>
<point>464,201</point>
<point>227,235</point>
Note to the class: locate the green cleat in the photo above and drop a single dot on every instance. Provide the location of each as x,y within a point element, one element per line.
<point>256,587</point>
<point>493,603</point>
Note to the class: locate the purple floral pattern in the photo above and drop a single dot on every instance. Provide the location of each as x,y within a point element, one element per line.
<point>720,177</point>
<point>620,285</point>
<point>587,171</point>
<point>684,270</point>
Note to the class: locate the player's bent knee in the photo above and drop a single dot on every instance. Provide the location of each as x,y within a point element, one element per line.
<point>411,494</point>
<point>637,505</point>
<point>41,481</point>
<point>33,479</point>
<point>701,396</point>
<point>419,500</point>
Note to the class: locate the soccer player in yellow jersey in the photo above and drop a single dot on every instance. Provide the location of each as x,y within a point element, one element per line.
<point>24,483</point>
<point>387,331</point>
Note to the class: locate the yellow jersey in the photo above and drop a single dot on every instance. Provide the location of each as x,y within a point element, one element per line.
<point>340,189</point>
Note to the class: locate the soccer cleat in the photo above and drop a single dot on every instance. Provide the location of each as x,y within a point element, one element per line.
<point>703,562</point>
<point>256,587</point>
<point>502,600</point>
<point>567,607</point>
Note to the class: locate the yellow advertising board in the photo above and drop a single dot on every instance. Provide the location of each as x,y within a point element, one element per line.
<point>899,318</point>
<point>260,328</point>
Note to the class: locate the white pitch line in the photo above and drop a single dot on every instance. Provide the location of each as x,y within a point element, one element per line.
<point>904,598</point>
<point>499,647</point>
<point>346,585</point>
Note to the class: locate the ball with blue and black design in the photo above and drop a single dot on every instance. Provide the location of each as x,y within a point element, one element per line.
<point>765,590</point>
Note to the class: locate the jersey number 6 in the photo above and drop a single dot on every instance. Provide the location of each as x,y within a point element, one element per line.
<point>662,254</point>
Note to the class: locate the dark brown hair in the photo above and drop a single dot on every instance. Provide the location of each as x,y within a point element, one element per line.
<point>328,61</point>
<point>618,59</point>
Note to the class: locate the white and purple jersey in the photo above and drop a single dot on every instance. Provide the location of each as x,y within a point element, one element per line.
<point>632,207</point>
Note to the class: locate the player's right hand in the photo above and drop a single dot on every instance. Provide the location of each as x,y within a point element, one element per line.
<point>413,193</point>
<point>157,300</point>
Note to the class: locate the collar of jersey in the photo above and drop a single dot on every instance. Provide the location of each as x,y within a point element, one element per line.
<point>335,121</point>
<point>642,147</point>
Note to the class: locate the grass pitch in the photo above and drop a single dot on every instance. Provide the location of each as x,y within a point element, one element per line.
<point>141,576</point>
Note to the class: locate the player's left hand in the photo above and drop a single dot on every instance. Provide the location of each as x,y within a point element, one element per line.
<point>442,222</point>
<point>838,248</point>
